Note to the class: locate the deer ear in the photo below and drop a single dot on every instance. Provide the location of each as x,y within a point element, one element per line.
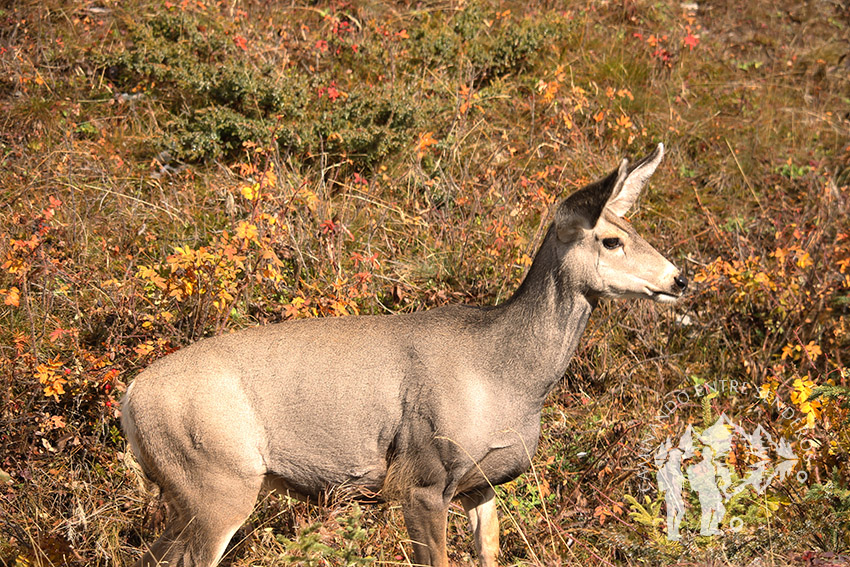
<point>630,182</point>
<point>581,210</point>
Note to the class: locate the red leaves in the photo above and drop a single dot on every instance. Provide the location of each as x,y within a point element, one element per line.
<point>332,91</point>
<point>691,40</point>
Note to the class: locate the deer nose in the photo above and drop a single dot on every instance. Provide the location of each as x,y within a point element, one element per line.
<point>681,282</point>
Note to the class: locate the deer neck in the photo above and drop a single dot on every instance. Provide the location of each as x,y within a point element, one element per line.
<point>544,320</point>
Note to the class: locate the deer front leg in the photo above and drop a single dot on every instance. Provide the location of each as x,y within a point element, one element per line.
<point>425,515</point>
<point>480,508</point>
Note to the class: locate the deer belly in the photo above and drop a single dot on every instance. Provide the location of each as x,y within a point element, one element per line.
<point>314,463</point>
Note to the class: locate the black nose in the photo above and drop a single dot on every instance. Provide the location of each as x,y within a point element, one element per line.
<point>681,281</point>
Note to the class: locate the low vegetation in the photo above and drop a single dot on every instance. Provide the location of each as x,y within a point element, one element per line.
<point>175,169</point>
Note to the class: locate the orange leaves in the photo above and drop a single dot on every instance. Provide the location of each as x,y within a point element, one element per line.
<point>144,349</point>
<point>467,99</point>
<point>599,109</point>
<point>59,332</point>
<point>338,305</point>
<point>22,254</point>
<point>603,512</point>
<point>342,297</point>
<point>296,308</point>
<point>12,296</point>
<point>624,122</point>
<point>549,89</point>
<point>50,211</point>
<point>425,141</point>
<point>328,226</point>
<point>52,380</point>
<point>246,231</point>
<point>746,277</point>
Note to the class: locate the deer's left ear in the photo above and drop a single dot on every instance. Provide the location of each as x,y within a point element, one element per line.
<point>630,182</point>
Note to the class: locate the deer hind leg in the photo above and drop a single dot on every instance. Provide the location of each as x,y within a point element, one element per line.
<point>426,513</point>
<point>480,507</point>
<point>201,524</point>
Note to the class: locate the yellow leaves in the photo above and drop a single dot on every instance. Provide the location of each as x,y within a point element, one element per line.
<point>767,391</point>
<point>250,192</point>
<point>339,308</point>
<point>295,307</point>
<point>224,299</point>
<point>763,278</point>
<point>802,390</point>
<point>269,179</point>
<point>149,346</point>
<point>801,395</point>
<point>795,351</point>
<point>253,191</point>
<point>15,265</point>
<point>151,275</point>
<point>804,260</point>
<point>207,280</point>
<point>246,231</point>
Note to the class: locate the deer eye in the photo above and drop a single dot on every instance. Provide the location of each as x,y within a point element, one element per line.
<point>611,243</point>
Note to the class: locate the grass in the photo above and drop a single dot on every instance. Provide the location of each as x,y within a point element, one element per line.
<point>173,170</point>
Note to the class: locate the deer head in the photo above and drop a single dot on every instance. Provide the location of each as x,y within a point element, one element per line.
<point>602,250</point>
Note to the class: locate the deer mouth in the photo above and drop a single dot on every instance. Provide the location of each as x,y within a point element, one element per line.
<point>664,296</point>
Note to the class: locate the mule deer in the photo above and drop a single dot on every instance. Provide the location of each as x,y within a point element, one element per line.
<point>424,407</point>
